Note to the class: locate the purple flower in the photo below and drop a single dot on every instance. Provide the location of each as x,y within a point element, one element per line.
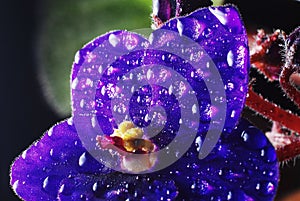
<point>187,85</point>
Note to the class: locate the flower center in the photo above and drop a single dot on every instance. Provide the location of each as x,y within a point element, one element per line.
<point>130,139</point>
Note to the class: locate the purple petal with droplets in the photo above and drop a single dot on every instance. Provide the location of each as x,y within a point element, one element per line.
<point>239,168</point>
<point>37,172</point>
<point>219,31</point>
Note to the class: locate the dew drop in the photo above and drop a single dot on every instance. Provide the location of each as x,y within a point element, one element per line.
<point>24,154</point>
<point>15,185</point>
<point>74,83</point>
<point>229,196</point>
<point>100,69</point>
<point>198,143</point>
<point>254,138</point>
<point>77,57</point>
<point>179,27</point>
<point>70,121</point>
<point>45,182</point>
<point>265,188</point>
<point>230,86</point>
<point>95,186</point>
<point>113,40</point>
<point>94,121</point>
<point>207,33</point>
<point>219,14</point>
<point>194,109</point>
<point>230,58</point>
<point>82,159</point>
<point>51,184</point>
<point>268,154</point>
<point>82,103</point>
<point>170,89</point>
<point>233,113</point>
<point>51,152</point>
<point>50,132</point>
<point>62,188</point>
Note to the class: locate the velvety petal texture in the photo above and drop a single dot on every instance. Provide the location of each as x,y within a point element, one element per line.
<point>242,166</point>
<point>193,66</point>
<point>188,77</point>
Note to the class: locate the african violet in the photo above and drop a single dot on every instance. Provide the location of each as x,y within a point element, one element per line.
<point>70,162</point>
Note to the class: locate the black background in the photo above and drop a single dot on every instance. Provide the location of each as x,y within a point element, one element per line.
<point>24,112</point>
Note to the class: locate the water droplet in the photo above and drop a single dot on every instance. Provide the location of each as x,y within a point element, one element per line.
<point>229,196</point>
<point>50,132</point>
<point>15,185</point>
<point>95,186</point>
<point>222,17</point>
<point>82,103</point>
<point>113,40</point>
<point>170,89</point>
<point>254,138</point>
<point>230,86</point>
<point>230,58</point>
<point>198,143</point>
<point>82,159</point>
<point>94,121</point>
<point>51,152</point>
<point>74,83</point>
<point>24,154</point>
<point>233,113</point>
<point>265,188</point>
<point>179,27</point>
<point>100,69</point>
<point>51,184</point>
<point>103,90</point>
<point>77,57</point>
<point>147,118</point>
<point>70,121</point>
<point>207,33</point>
<point>194,109</point>
<point>268,154</point>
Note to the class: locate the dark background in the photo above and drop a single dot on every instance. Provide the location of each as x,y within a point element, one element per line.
<point>25,114</point>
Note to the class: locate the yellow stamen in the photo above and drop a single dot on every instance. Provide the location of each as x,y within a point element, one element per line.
<point>127,131</point>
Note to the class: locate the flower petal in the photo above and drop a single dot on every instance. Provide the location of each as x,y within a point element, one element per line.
<point>242,166</point>
<point>221,33</point>
<point>36,174</point>
<point>195,66</point>
<point>117,186</point>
